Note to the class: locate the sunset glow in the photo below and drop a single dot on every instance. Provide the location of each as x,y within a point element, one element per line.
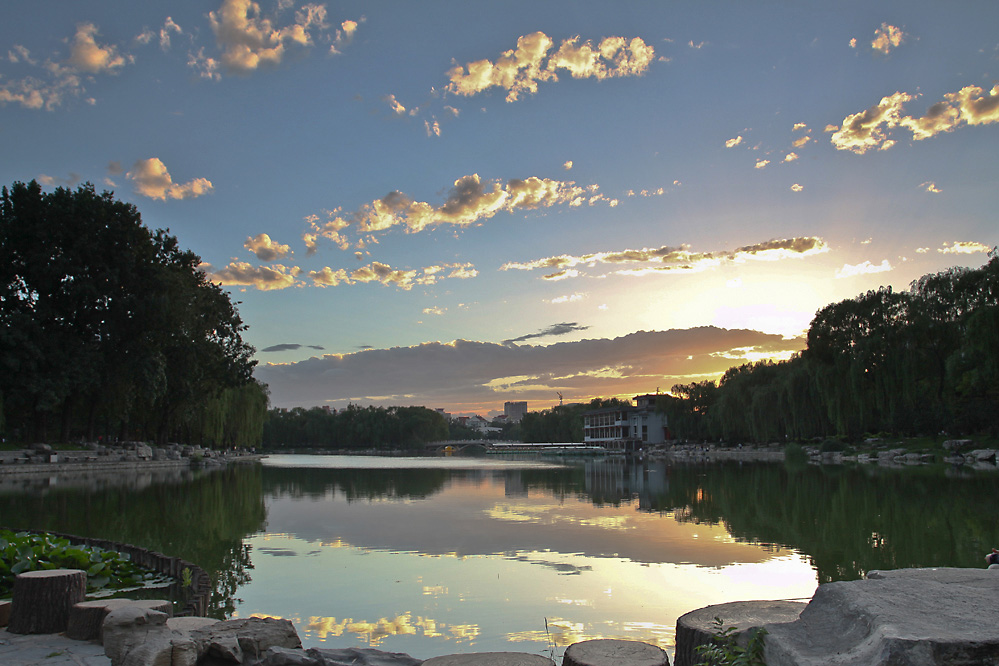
<point>459,205</point>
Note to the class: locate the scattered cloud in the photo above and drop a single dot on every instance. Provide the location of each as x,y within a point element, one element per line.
<point>801,141</point>
<point>853,43</point>
<point>249,40</point>
<point>870,129</point>
<point>931,187</point>
<point>153,180</point>
<point>865,268</point>
<point>394,104</point>
<point>732,143</point>
<point>264,278</point>
<point>288,346</point>
<point>435,311</point>
<point>404,279</point>
<point>433,129</point>
<point>567,165</point>
<point>168,27</point>
<point>568,298</point>
<point>466,374</point>
<point>266,249</point>
<point>761,164</point>
<point>790,157</point>
<point>886,38</point>
<point>519,70</point>
<point>88,56</point>
<point>797,187</point>
<point>471,200</point>
<point>669,259</point>
<point>799,126</point>
<point>554,330</point>
<point>964,247</point>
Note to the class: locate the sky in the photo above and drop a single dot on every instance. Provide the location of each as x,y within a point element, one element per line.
<point>458,204</point>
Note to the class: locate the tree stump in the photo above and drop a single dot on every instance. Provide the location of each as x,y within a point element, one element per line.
<point>86,618</point>
<point>613,652</point>
<point>42,600</point>
<point>698,627</point>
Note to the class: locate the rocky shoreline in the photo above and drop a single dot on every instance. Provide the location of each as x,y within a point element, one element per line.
<point>126,456</point>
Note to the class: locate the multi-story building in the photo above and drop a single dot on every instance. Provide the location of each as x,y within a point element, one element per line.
<point>514,411</point>
<point>626,427</point>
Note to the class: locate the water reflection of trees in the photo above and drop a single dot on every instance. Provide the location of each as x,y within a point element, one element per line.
<point>202,520</point>
<point>848,520</point>
<point>422,483</point>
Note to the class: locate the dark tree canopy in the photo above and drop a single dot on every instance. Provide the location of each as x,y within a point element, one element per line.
<point>916,362</point>
<point>108,328</point>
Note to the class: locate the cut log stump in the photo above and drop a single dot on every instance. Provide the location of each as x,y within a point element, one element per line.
<point>698,627</point>
<point>42,600</point>
<point>86,618</point>
<point>613,652</point>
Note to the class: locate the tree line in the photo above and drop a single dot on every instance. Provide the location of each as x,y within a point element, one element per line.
<point>911,363</point>
<point>110,330</point>
<point>353,428</point>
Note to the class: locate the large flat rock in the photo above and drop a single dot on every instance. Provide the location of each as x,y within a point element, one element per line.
<point>908,617</point>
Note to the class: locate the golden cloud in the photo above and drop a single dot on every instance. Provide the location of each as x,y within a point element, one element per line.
<point>865,130</point>
<point>964,247</point>
<point>869,129</point>
<point>266,249</point>
<point>470,201</point>
<point>249,40</point>
<point>264,278</point>
<point>154,181</point>
<point>519,70</point>
<point>88,56</point>
<point>404,279</point>
<point>886,38</point>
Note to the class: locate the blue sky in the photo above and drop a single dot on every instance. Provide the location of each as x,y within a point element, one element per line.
<point>457,204</point>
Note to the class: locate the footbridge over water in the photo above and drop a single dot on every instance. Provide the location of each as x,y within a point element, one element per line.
<point>492,446</point>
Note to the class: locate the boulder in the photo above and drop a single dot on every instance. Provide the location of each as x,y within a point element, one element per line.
<point>237,641</point>
<point>908,617</point>
<point>137,636</point>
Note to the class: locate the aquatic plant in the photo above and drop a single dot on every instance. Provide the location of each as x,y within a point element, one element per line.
<point>106,569</point>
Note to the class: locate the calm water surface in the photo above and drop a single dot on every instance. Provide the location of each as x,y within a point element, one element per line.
<point>435,556</point>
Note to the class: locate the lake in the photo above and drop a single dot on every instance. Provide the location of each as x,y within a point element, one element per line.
<point>434,556</point>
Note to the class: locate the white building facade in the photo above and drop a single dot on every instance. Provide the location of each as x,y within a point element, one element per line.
<point>624,427</point>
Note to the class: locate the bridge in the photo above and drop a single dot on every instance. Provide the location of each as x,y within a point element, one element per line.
<point>492,446</point>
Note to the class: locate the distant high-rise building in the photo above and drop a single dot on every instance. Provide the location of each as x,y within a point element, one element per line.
<point>514,411</point>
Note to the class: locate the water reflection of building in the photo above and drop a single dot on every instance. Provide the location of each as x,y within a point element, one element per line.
<point>615,479</point>
<point>513,484</point>
<point>626,427</point>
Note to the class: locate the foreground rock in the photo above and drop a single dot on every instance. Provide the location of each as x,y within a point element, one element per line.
<point>908,617</point>
<point>699,627</point>
<point>346,657</point>
<point>136,636</point>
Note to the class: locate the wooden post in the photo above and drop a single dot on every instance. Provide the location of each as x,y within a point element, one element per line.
<point>42,600</point>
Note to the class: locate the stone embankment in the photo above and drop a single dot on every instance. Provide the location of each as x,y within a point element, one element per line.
<point>957,452</point>
<point>125,456</point>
